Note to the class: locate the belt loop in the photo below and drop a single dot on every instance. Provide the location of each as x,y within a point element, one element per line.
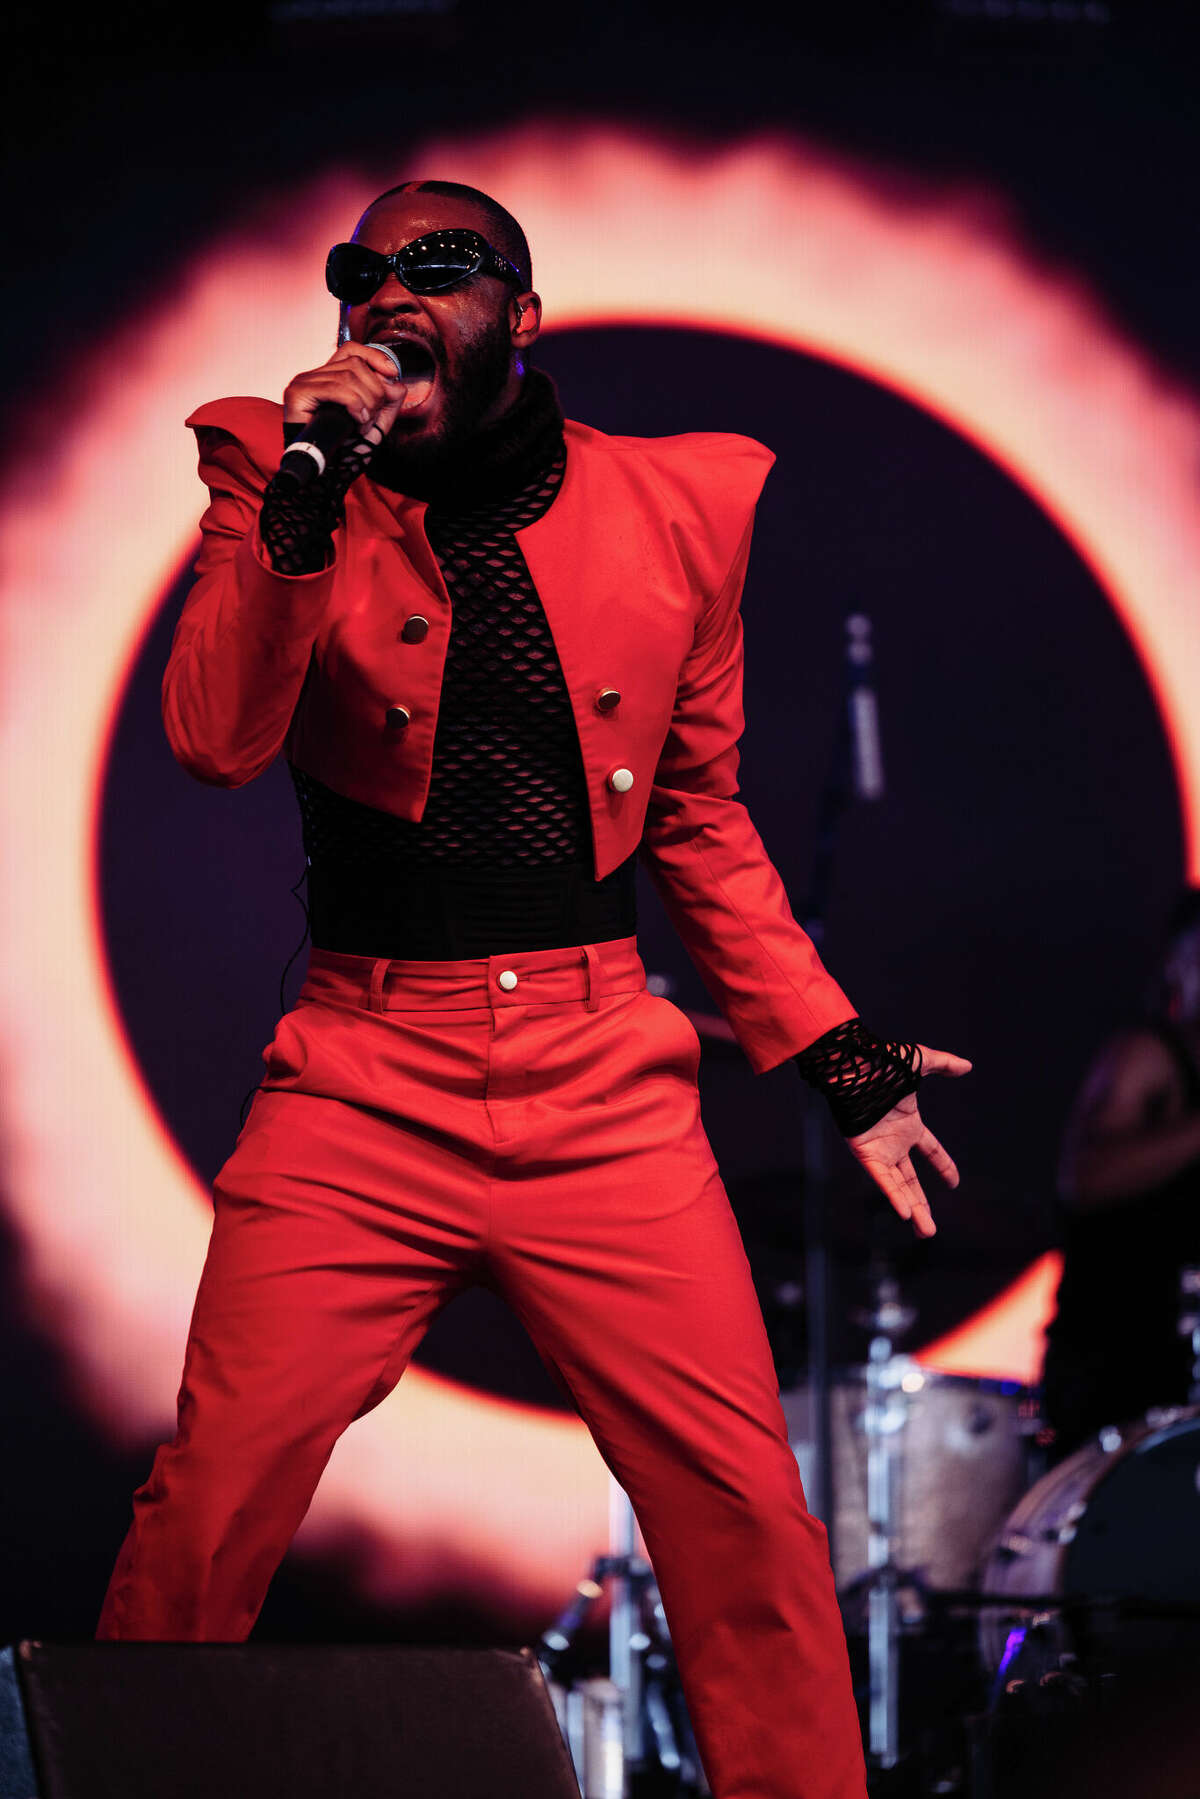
<point>591,969</point>
<point>375,990</point>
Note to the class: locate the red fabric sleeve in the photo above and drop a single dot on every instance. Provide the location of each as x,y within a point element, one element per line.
<point>708,864</point>
<point>244,640</point>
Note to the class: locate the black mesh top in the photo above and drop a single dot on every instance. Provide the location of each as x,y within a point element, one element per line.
<point>508,781</point>
<point>507,791</point>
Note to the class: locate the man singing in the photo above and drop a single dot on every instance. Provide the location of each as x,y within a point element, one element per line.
<point>502,654</point>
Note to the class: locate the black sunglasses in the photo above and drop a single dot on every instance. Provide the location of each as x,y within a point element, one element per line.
<point>429,265</point>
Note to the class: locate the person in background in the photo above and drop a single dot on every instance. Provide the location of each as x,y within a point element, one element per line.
<point>1129,1196</point>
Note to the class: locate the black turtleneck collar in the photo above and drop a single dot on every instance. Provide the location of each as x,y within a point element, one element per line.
<point>496,463</point>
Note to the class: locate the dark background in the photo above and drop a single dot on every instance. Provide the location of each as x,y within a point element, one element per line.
<point>1003,901</point>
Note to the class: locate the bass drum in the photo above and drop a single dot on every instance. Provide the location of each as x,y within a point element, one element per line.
<point>964,1450</point>
<point>1117,1521</point>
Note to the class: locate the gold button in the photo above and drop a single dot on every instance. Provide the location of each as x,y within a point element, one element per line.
<point>621,780</point>
<point>607,699</point>
<point>399,718</point>
<point>416,629</point>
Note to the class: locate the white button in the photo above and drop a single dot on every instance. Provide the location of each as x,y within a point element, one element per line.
<point>621,780</point>
<point>507,979</point>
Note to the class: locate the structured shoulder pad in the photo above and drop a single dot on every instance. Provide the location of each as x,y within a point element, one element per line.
<point>700,459</point>
<point>707,483</point>
<point>717,478</point>
<point>242,438</point>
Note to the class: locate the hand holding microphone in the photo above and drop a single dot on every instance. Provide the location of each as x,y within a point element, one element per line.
<point>347,406</point>
<point>360,390</point>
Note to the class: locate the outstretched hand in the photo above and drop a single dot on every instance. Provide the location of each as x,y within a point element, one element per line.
<point>885,1150</point>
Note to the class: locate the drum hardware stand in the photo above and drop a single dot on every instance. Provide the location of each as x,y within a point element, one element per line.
<point>855,771</point>
<point>1189,1324</point>
<point>618,1727</point>
<point>889,1382</point>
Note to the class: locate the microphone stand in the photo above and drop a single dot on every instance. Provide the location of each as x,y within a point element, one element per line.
<point>855,771</point>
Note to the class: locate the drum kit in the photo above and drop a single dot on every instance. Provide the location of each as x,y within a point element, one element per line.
<point>949,1539</point>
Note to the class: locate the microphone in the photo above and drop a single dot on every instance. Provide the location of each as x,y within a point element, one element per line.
<point>865,747</point>
<point>327,430</point>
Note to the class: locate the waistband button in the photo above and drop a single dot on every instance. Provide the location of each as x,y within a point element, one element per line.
<point>506,979</point>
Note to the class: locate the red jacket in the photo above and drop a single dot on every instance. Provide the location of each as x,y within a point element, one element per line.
<point>639,565</point>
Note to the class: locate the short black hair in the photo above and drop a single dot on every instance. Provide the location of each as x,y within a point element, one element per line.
<point>503,231</point>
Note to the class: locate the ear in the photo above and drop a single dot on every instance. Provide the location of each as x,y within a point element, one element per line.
<point>525,319</point>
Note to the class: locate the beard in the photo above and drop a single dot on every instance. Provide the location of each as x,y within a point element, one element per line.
<point>415,456</point>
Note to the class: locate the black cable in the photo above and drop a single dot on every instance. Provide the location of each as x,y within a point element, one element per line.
<point>296,895</point>
<point>295,892</point>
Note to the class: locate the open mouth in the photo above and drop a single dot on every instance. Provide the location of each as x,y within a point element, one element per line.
<point>418,371</point>
<point>416,360</point>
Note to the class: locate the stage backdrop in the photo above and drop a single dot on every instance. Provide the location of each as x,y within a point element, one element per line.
<point>971,453</point>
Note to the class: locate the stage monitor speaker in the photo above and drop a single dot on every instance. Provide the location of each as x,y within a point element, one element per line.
<point>266,1721</point>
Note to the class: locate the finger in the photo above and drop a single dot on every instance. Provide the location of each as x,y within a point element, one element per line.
<point>941,1161</point>
<point>902,1189</point>
<point>941,1061</point>
<point>391,410</point>
<point>359,389</point>
<point>362,377</point>
<point>351,351</point>
<point>376,359</point>
<point>918,1205</point>
<point>335,377</point>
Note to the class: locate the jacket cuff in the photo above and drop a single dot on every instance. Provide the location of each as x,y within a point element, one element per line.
<point>861,1075</point>
<point>298,600</point>
<point>784,1038</point>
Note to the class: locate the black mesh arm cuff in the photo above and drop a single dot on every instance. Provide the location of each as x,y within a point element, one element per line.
<point>861,1075</point>
<point>297,524</point>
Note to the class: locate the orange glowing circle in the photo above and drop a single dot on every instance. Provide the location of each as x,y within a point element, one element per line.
<point>932,297</point>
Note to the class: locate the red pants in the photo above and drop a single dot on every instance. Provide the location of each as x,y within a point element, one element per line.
<point>425,1125</point>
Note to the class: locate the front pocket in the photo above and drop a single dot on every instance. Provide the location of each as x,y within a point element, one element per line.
<point>285,1056</point>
